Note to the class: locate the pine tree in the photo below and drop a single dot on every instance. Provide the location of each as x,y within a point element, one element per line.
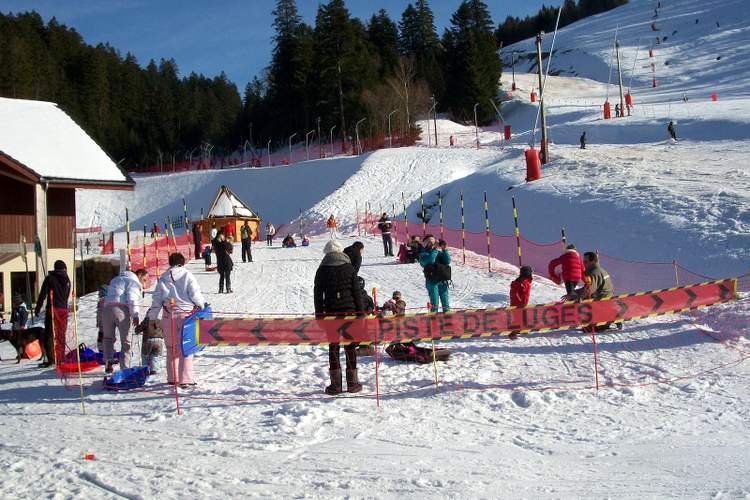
<point>420,41</point>
<point>472,62</point>
<point>382,33</point>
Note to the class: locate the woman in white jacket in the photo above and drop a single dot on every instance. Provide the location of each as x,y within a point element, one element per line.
<point>119,310</point>
<point>176,295</point>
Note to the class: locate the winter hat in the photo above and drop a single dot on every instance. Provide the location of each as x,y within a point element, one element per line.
<point>570,247</point>
<point>60,266</point>
<point>527,272</point>
<point>333,246</point>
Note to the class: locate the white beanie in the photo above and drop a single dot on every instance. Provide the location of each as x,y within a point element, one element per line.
<point>333,246</point>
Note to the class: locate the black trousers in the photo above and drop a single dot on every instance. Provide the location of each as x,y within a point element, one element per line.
<point>570,286</point>
<point>269,240</point>
<point>225,276</point>
<point>387,244</point>
<point>350,352</point>
<point>48,342</point>
<point>198,250</point>
<point>246,250</point>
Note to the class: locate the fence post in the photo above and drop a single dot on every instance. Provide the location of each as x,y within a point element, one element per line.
<point>406,220</point>
<point>463,228</point>
<point>144,247</point>
<point>487,232</point>
<point>518,232</point>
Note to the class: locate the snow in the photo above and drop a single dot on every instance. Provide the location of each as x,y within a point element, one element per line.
<point>228,205</point>
<point>40,136</point>
<point>518,419</point>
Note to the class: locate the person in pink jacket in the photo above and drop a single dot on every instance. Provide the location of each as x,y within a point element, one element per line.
<point>176,296</point>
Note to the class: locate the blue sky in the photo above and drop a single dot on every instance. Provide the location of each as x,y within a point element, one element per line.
<point>208,37</point>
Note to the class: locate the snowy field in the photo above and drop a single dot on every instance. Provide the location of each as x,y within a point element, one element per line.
<point>510,419</point>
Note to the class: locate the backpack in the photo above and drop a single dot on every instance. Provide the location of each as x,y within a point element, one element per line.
<point>437,272</point>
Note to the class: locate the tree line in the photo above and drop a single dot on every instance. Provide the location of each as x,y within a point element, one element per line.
<point>326,76</point>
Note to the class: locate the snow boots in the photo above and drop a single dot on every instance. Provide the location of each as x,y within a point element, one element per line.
<point>335,387</point>
<point>352,381</point>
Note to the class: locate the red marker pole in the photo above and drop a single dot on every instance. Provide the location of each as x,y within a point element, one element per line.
<point>174,357</point>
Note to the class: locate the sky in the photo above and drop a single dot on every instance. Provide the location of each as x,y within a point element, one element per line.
<point>234,36</point>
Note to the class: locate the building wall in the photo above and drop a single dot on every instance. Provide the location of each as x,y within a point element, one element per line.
<point>17,211</point>
<point>17,266</point>
<point>61,217</point>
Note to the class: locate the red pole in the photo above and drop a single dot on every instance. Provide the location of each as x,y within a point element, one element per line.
<point>596,362</point>
<point>174,357</point>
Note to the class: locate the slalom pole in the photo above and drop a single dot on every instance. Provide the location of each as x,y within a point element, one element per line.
<point>406,220</point>
<point>564,239</point>
<point>421,197</point>
<point>463,228</point>
<point>518,232</point>
<point>144,247</point>
<point>434,355</point>
<point>487,232</point>
<point>356,212</point>
<point>174,357</point>
<point>676,275</point>
<point>52,322</point>
<point>440,210</point>
<point>377,351</point>
<point>127,234</point>
<point>156,252</point>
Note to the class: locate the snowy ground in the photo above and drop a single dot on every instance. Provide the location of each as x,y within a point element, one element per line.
<point>511,419</point>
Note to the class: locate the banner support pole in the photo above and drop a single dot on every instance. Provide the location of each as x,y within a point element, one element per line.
<point>518,231</point>
<point>487,232</point>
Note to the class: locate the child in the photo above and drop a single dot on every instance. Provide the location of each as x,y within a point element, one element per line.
<point>207,256</point>
<point>520,290</point>
<point>395,306</point>
<point>305,241</point>
<point>19,316</point>
<point>572,269</point>
<point>152,346</point>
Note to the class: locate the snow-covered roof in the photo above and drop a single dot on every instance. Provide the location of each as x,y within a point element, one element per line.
<point>226,204</point>
<point>45,140</point>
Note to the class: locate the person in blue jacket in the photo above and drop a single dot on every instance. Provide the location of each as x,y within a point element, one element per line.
<point>437,287</point>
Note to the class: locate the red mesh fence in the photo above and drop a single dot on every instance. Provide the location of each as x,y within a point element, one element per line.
<point>627,276</point>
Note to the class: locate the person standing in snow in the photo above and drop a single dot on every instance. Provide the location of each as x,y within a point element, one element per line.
<point>229,230</point>
<point>246,237</point>
<point>617,110</point>
<point>120,310</point>
<point>175,296</point>
<point>270,232</point>
<point>520,291</point>
<point>337,293</point>
<point>55,325</point>
<point>88,246</point>
<point>331,225</point>
<point>354,252</point>
<point>224,263</point>
<point>583,140</point>
<point>385,225</point>
<point>672,131</point>
<point>19,314</point>
<point>572,268</point>
<point>435,261</point>
<point>197,228</point>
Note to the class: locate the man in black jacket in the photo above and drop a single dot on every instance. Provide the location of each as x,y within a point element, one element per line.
<point>197,239</point>
<point>57,284</point>
<point>337,293</point>
<point>224,263</point>
<point>385,225</point>
<point>354,252</point>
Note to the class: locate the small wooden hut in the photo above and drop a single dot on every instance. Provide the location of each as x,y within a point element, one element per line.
<point>228,209</point>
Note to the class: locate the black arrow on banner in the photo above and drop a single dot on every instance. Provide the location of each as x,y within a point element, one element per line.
<point>657,303</point>
<point>214,331</point>
<point>623,308</point>
<point>300,331</point>
<point>257,331</point>
<point>692,296</point>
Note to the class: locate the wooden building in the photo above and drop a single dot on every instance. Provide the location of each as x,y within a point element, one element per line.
<point>227,208</point>
<point>44,158</point>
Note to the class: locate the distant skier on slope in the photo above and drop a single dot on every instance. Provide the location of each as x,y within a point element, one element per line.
<point>583,140</point>
<point>672,131</point>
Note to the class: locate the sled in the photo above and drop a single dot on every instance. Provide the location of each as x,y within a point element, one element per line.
<point>411,353</point>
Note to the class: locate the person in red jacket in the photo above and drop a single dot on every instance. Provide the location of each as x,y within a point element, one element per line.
<point>520,290</point>
<point>572,269</point>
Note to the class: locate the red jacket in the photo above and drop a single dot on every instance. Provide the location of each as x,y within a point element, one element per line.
<point>520,290</point>
<point>572,267</point>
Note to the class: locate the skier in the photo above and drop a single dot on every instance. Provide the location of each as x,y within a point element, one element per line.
<point>385,225</point>
<point>176,295</point>
<point>617,110</point>
<point>572,268</point>
<point>224,263</point>
<point>354,252</point>
<point>331,225</point>
<point>337,292</point>
<point>270,232</point>
<point>672,131</point>
<point>520,291</point>
<point>119,311</point>
<point>58,283</point>
<point>435,261</point>
<point>246,234</point>
<point>583,140</point>
<point>197,228</point>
